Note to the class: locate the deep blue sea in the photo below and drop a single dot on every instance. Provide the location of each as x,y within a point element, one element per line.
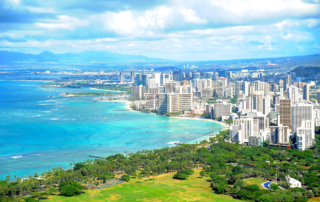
<point>38,133</point>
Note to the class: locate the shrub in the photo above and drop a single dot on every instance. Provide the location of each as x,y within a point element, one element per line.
<point>125,178</point>
<point>70,190</point>
<point>242,194</point>
<point>253,187</point>
<point>180,176</point>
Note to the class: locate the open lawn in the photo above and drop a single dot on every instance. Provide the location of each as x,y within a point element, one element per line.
<point>315,199</point>
<point>163,188</point>
<point>257,181</point>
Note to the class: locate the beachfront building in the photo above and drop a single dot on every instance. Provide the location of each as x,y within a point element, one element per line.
<point>137,92</point>
<point>222,108</point>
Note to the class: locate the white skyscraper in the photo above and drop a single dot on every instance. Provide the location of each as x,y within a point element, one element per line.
<point>301,112</point>
<point>157,80</point>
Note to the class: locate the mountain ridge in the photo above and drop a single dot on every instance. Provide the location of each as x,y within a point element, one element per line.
<point>8,57</point>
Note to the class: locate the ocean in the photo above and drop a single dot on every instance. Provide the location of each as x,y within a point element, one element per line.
<point>38,133</point>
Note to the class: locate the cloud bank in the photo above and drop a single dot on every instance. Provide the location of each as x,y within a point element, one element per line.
<point>176,29</point>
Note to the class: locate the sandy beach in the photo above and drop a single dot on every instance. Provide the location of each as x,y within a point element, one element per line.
<point>107,90</point>
<point>226,126</point>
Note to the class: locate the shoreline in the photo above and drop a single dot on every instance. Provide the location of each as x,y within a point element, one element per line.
<point>207,137</point>
<point>108,90</point>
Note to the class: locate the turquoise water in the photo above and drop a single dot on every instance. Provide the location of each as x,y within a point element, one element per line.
<point>38,133</point>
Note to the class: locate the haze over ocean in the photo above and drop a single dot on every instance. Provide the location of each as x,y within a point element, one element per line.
<point>38,133</point>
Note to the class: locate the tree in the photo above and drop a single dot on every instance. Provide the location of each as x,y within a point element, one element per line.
<point>180,176</point>
<point>253,188</point>
<point>274,187</point>
<point>242,194</point>
<point>202,173</point>
<point>228,121</point>
<point>125,178</point>
<point>154,174</point>
<point>221,189</point>
<point>70,190</point>
<point>36,175</point>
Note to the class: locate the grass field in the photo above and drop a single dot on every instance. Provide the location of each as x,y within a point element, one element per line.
<point>257,181</point>
<point>163,188</point>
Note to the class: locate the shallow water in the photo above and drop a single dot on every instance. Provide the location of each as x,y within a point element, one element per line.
<point>38,133</point>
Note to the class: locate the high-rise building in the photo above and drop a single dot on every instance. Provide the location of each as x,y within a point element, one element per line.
<point>285,112</point>
<point>288,80</point>
<point>243,128</point>
<point>157,79</point>
<point>162,102</point>
<point>138,79</point>
<point>221,88</point>
<point>279,134</point>
<point>121,77</point>
<point>301,112</point>
<point>228,74</point>
<point>170,86</point>
<point>257,102</point>
<point>165,78</point>
<point>177,75</point>
<point>196,76</point>
<point>266,105</point>
<point>202,74</point>
<point>238,87</point>
<point>144,79</point>
<point>132,77</point>
<point>306,91</point>
<point>305,135</point>
<point>293,93</point>
<point>318,97</point>
<point>222,108</point>
<point>137,92</point>
<point>184,83</point>
<point>151,83</point>
<point>178,102</point>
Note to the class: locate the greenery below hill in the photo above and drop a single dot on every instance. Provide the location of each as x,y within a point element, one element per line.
<point>229,169</point>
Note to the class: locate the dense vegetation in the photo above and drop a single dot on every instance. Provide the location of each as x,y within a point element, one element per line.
<point>228,165</point>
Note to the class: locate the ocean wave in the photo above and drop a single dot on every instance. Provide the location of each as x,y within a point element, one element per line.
<point>169,131</point>
<point>173,142</point>
<point>55,119</point>
<point>15,157</point>
<point>42,104</point>
<point>47,111</point>
<point>54,109</point>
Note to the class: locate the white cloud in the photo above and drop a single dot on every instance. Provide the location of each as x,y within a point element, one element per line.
<point>120,23</point>
<point>63,22</point>
<point>190,16</point>
<point>40,10</point>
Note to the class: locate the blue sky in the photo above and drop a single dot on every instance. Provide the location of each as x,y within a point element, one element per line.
<point>177,29</point>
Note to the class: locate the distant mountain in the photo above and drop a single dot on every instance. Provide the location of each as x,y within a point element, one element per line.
<point>304,71</point>
<point>7,57</point>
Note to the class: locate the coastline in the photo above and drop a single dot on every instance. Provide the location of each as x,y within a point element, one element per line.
<point>224,125</point>
<point>108,90</point>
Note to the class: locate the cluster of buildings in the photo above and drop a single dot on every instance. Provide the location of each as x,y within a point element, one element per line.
<point>265,109</point>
